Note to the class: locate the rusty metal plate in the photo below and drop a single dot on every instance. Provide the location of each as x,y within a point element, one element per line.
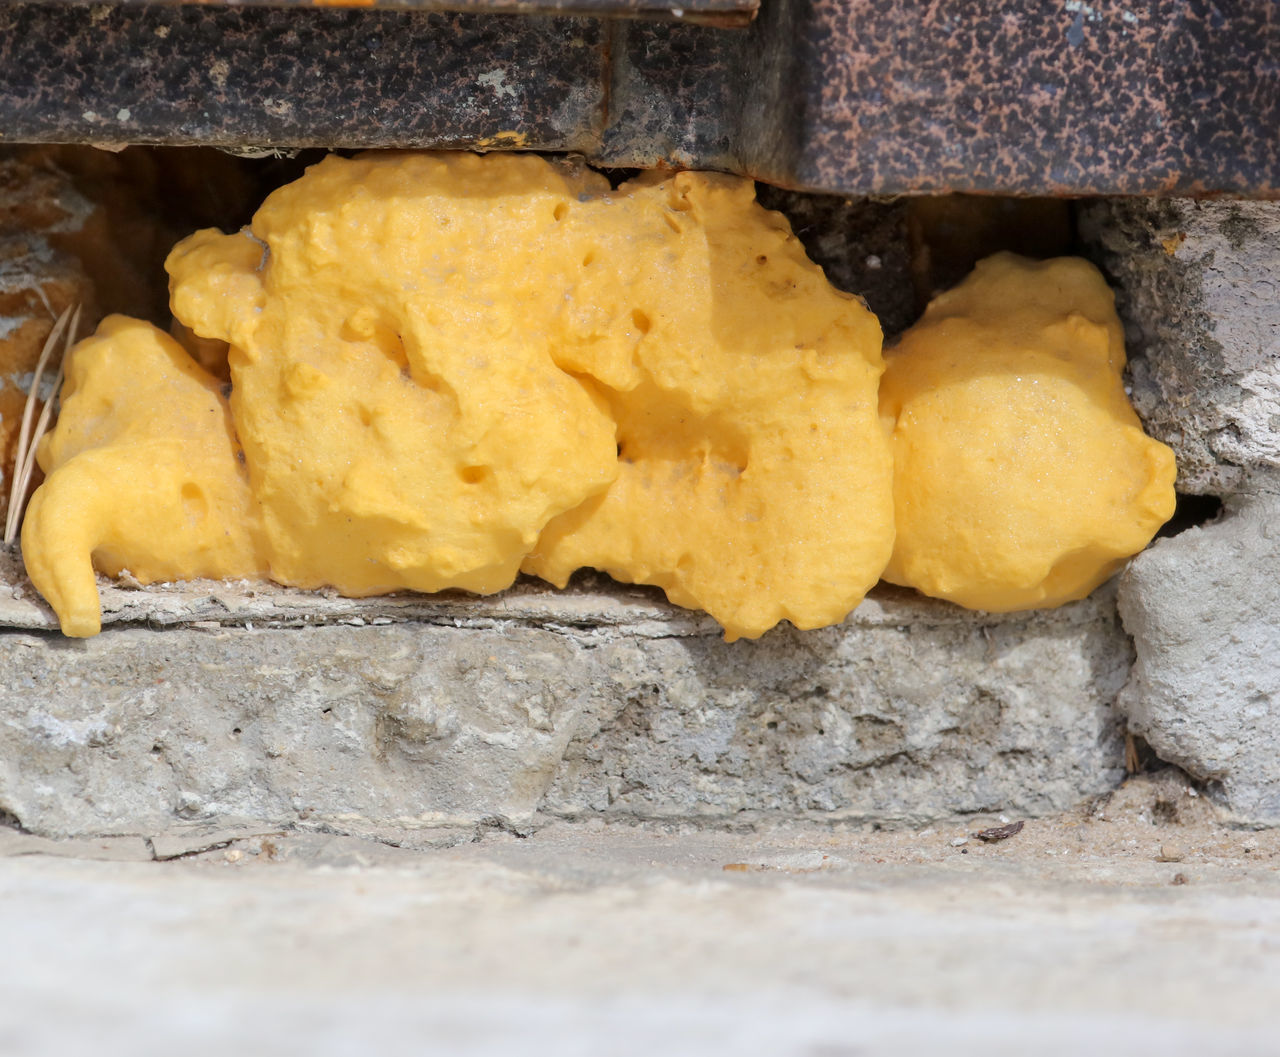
<point>1004,96</point>
<point>1048,97</point>
<point>847,96</point>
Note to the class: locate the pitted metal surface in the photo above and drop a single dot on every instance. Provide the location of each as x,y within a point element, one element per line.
<point>872,96</point>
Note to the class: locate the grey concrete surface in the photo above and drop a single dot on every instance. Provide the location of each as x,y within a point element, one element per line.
<point>1203,608</point>
<point>613,940</point>
<point>418,712</point>
<point>1198,285</point>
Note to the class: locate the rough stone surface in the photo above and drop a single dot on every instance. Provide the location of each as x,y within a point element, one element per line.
<point>1202,608</point>
<point>1199,289</point>
<point>893,715</point>
<point>591,703</point>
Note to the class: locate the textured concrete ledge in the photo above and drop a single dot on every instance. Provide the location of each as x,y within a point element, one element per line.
<point>216,702</point>
<point>590,601</point>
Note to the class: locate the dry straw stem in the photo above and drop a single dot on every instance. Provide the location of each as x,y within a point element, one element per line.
<point>25,460</point>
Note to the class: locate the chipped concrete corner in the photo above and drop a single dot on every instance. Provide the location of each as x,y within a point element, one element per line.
<point>1199,287</point>
<point>1202,610</point>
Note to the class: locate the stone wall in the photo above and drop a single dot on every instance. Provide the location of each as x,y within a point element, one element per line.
<point>212,703</point>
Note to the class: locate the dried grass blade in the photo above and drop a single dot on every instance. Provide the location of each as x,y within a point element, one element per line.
<point>42,424</point>
<point>24,461</point>
<point>45,298</point>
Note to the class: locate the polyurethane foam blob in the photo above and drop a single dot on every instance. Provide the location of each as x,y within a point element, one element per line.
<point>445,363</point>
<point>754,478</point>
<point>444,366</point>
<point>1022,476</point>
<point>143,474</point>
<point>392,323</point>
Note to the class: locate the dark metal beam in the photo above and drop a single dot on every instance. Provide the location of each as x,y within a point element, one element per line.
<point>847,96</point>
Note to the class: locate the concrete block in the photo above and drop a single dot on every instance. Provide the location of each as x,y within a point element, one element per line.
<point>1199,289</point>
<point>247,705</point>
<point>1202,608</point>
<point>910,710</point>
